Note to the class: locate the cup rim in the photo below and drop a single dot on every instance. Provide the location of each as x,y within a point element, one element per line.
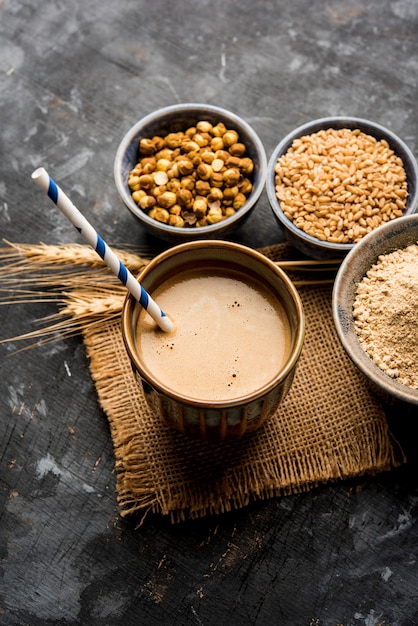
<point>130,303</point>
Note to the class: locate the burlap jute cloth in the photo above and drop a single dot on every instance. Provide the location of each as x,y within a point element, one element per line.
<point>330,427</point>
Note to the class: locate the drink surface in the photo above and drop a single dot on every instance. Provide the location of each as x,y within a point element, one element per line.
<point>231,335</point>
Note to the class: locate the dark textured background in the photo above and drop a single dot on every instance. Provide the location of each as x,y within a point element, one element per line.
<point>74,76</point>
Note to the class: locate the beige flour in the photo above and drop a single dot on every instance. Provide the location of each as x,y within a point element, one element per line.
<point>386,314</point>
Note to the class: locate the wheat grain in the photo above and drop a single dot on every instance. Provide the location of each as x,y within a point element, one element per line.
<point>345,174</point>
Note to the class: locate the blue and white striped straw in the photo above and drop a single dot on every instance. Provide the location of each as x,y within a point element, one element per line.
<point>45,182</point>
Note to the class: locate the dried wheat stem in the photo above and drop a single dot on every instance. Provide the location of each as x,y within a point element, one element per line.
<point>309,266</point>
<point>71,254</point>
<point>311,283</point>
<point>55,281</point>
<point>78,310</point>
<point>310,262</point>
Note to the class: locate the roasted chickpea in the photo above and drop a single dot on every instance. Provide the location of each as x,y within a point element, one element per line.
<point>192,178</point>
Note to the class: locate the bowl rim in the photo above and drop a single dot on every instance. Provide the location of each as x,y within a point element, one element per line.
<point>311,127</point>
<point>342,315</point>
<point>189,233</point>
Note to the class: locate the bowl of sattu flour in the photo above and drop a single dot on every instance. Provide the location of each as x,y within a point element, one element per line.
<point>375,308</point>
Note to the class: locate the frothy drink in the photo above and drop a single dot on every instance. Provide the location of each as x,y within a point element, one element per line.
<point>232,335</point>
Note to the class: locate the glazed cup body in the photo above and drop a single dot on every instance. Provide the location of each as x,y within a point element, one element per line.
<point>216,420</point>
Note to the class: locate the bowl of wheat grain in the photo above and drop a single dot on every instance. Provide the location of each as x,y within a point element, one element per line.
<point>332,181</point>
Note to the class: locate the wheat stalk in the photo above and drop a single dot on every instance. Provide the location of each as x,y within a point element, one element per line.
<point>49,256</point>
<point>85,291</point>
<point>78,309</point>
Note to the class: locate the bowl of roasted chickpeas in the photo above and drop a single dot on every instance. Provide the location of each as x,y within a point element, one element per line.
<point>333,180</point>
<point>190,171</point>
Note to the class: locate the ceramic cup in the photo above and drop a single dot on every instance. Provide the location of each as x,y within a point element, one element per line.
<point>222,417</point>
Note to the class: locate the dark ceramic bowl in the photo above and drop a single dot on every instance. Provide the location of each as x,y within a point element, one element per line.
<point>307,244</point>
<point>392,236</point>
<point>175,118</point>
